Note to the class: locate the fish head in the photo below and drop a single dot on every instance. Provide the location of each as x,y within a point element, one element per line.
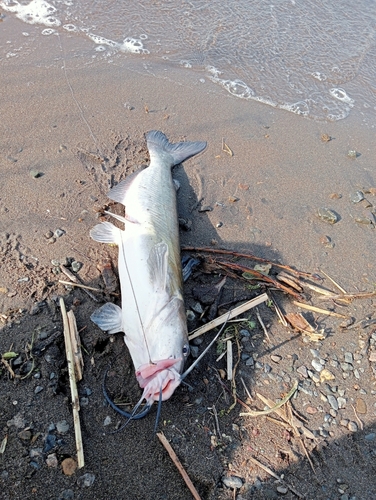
<point>160,378</point>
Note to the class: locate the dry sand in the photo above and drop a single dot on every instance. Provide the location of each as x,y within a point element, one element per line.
<point>58,115</point>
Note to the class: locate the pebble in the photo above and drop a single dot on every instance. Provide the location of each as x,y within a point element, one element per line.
<point>66,495</point>
<point>35,174</point>
<point>62,427</point>
<point>349,357</point>
<point>370,437</point>
<point>361,406</point>
<point>341,402</point>
<point>58,233</point>
<point>282,490</point>
<point>317,365</point>
<point>38,389</point>
<point>276,358</point>
<point>49,443</point>
<point>232,482</point>
<point>347,367</point>
<point>36,453</point>
<point>107,421</point>
<point>86,480</point>
<point>344,422</point>
<point>51,460</point>
<point>352,426</point>
<point>25,435</point>
<point>69,466</point>
<point>194,351</point>
<point>302,370</point>
<point>76,266</point>
<point>332,401</point>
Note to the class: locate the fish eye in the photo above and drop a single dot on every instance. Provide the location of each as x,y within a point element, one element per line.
<point>185,350</point>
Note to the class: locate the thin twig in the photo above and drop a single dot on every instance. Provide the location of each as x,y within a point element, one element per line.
<point>75,279</point>
<point>227,316</point>
<point>271,473</point>
<point>162,438</point>
<point>263,325</point>
<point>342,290</point>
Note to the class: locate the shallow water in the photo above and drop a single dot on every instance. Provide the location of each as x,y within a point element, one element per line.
<point>313,58</point>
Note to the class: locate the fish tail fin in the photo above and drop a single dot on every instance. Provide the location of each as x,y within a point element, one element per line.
<point>105,232</point>
<point>158,145</point>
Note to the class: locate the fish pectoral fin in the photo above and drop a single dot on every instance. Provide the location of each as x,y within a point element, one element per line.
<point>105,232</point>
<point>108,318</point>
<point>157,263</point>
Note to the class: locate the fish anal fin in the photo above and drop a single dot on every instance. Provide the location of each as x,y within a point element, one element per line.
<point>108,318</point>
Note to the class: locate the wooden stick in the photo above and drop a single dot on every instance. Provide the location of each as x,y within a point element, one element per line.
<point>73,386</point>
<point>76,345</point>
<point>227,316</point>
<point>229,360</point>
<point>162,438</point>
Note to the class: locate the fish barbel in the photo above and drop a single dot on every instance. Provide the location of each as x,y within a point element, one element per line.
<point>152,316</point>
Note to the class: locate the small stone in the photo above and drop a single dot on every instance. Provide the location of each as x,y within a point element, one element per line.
<point>25,435</point>
<point>205,208</point>
<point>194,351</point>
<point>344,422</point>
<point>86,480</point>
<point>58,233</point>
<point>66,495</point>
<point>276,358</point>
<point>62,427</point>
<point>49,443</point>
<point>360,406</point>
<point>317,365</point>
<point>38,389</point>
<point>357,196</point>
<point>250,362</point>
<point>51,460</point>
<point>370,437</point>
<point>353,154</point>
<point>349,357</point>
<point>326,375</point>
<point>76,266</point>
<point>311,410</point>
<point>341,402</point>
<point>69,466</point>
<point>347,367</point>
<point>49,234</point>
<point>332,401</point>
<point>302,370</point>
<point>219,224</point>
<point>107,421</point>
<point>35,174</point>
<point>282,490</point>
<point>352,426</point>
<point>327,215</point>
<point>232,482</point>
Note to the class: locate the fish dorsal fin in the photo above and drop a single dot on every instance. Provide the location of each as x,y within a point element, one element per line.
<point>158,145</point>
<point>108,318</point>
<point>105,233</point>
<point>118,192</point>
<point>157,263</point>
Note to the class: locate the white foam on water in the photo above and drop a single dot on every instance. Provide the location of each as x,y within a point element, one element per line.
<point>131,45</point>
<point>35,12</point>
<point>341,95</point>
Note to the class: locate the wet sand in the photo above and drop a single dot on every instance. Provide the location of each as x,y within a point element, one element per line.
<point>59,115</point>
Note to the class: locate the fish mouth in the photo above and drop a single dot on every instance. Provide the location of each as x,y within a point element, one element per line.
<point>161,384</point>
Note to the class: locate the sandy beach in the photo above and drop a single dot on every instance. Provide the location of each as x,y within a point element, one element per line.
<point>71,129</point>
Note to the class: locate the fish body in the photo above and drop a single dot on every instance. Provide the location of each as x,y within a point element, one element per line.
<point>152,315</point>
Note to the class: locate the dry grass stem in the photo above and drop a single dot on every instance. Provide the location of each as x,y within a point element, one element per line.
<point>273,407</point>
<point>73,386</point>
<point>263,325</point>
<point>225,148</point>
<point>318,309</point>
<point>76,345</point>
<point>342,290</point>
<point>162,438</point>
<point>75,280</point>
<point>227,316</point>
<point>229,360</point>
